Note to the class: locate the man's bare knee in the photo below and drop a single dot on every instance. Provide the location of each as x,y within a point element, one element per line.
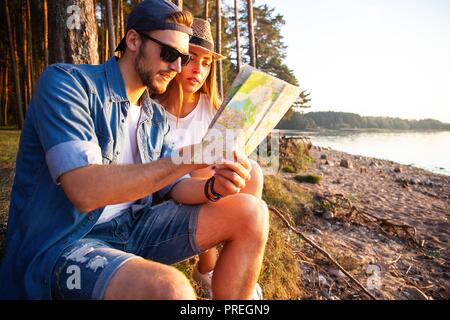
<point>176,287</point>
<point>253,217</point>
<point>240,216</point>
<point>141,279</point>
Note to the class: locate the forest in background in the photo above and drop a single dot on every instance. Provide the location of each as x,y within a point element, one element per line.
<point>345,120</point>
<point>42,32</point>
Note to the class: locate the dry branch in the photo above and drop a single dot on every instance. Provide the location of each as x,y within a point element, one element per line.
<point>321,250</point>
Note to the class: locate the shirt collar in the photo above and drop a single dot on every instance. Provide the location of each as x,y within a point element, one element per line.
<point>116,85</point>
<point>117,91</point>
<point>147,107</point>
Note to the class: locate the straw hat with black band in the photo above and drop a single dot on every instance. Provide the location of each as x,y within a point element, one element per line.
<point>202,37</point>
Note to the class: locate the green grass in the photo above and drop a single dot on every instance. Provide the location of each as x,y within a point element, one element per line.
<point>295,155</point>
<point>280,276</point>
<point>288,169</point>
<point>9,142</point>
<point>310,178</point>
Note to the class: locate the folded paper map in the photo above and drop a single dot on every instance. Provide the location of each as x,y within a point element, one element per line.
<point>256,103</point>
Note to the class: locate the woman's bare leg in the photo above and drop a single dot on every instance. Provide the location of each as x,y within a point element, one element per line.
<point>207,260</point>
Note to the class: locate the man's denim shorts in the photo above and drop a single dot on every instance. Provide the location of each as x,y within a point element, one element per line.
<point>164,233</point>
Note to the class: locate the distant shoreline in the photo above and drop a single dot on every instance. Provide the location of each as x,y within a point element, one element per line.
<point>361,130</point>
<point>346,120</point>
<point>391,145</point>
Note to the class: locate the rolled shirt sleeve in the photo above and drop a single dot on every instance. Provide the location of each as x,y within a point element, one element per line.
<point>70,155</point>
<point>63,122</point>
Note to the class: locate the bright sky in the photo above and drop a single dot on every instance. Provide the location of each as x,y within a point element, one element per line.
<point>372,57</point>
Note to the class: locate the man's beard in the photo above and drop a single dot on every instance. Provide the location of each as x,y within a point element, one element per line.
<point>147,74</point>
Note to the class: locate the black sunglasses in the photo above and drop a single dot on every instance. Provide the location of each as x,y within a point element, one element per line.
<point>168,54</point>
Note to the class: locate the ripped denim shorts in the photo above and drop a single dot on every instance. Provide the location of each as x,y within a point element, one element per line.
<point>164,233</point>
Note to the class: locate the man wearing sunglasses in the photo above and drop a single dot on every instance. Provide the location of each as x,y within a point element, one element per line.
<point>92,153</point>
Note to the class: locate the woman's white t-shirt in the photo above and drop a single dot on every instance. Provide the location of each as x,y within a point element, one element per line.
<point>192,128</point>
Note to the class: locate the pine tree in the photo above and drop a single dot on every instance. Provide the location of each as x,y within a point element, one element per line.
<point>73,31</point>
<point>15,67</point>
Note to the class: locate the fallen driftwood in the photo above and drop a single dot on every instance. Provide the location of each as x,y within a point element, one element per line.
<point>335,202</point>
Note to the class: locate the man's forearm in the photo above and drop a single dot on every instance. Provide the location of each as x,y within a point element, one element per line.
<point>98,185</point>
<point>189,191</point>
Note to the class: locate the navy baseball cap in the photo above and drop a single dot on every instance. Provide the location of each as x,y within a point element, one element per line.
<point>151,15</point>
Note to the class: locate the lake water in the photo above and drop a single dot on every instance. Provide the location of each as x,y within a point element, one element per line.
<point>427,150</point>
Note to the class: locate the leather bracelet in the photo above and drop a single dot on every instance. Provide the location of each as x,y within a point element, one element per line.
<point>208,190</point>
<point>213,192</point>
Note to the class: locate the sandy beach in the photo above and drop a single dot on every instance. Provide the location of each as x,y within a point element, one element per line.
<point>390,221</point>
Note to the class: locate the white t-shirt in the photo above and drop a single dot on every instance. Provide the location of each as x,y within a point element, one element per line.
<point>129,155</point>
<point>192,128</point>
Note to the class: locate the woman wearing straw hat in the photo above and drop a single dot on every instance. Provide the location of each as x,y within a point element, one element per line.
<point>191,101</point>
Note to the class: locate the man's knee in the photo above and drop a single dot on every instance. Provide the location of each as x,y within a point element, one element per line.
<point>175,286</point>
<point>148,280</point>
<point>252,217</point>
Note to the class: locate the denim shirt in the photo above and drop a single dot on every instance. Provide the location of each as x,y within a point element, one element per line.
<point>75,118</point>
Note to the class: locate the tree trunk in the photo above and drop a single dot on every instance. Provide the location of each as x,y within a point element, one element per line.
<point>119,32</point>
<point>116,13</point>
<point>45,33</point>
<point>219,45</point>
<point>106,51</point>
<point>122,21</point>
<point>23,63</point>
<point>30,62</point>
<point>2,91</point>
<point>111,34</point>
<point>251,34</point>
<point>73,31</point>
<point>5,105</point>
<point>104,47</point>
<point>238,35</point>
<point>5,92</point>
<point>206,12</point>
<point>19,109</point>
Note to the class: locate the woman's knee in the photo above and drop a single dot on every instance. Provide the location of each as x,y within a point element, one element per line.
<point>254,185</point>
<point>256,172</point>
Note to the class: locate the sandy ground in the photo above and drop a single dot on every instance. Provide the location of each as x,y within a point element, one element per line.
<point>390,262</point>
